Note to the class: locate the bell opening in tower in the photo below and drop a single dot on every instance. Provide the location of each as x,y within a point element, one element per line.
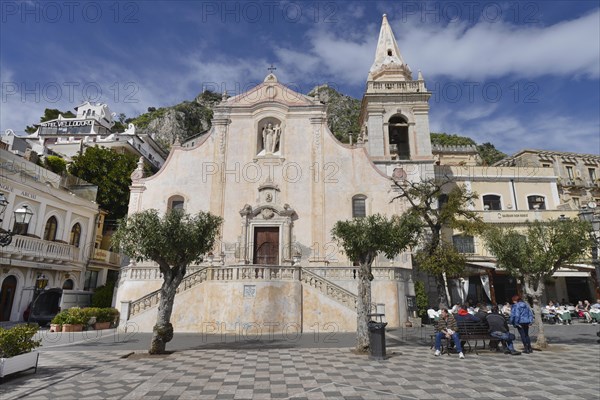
<point>398,138</point>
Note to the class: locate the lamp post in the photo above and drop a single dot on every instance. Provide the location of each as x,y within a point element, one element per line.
<point>590,215</point>
<point>40,283</point>
<point>22,216</point>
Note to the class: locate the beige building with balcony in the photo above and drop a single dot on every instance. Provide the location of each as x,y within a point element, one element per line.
<point>57,241</point>
<point>508,195</point>
<point>578,174</point>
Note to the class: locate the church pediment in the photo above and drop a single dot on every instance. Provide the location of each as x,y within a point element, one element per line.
<point>268,92</point>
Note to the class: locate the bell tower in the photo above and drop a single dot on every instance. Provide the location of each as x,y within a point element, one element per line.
<point>394,115</point>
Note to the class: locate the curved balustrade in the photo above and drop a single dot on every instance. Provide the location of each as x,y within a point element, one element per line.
<point>26,246</point>
<point>244,273</point>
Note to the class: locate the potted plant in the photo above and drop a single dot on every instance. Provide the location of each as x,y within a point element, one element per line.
<point>57,322</point>
<point>16,345</point>
<point>74,320</point>
<point>104,317</point>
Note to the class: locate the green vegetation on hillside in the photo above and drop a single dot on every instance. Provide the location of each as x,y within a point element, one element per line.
<point>487,151</point>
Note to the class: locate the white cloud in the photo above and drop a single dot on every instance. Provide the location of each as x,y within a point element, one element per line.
<point>481,51</point>
<point>545,131</point>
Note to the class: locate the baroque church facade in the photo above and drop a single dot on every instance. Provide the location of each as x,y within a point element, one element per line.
<point>273,170</point>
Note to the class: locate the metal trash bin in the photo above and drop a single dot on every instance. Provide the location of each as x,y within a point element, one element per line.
<point>377,337</point>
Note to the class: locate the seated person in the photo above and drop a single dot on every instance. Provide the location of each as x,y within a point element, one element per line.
<point>464,315</point>
<point>564,315</point>
<point>498,328</point>
<point>583,310</point>
<point>506,309</point>
<point>482,312</point>
<point>552,314</point>
<point>446,327</point>
<point>595,311</point>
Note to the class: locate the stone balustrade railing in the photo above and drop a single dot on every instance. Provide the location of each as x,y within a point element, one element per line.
<point>351,273</point>
<point>26,246</point>
<point>399,87</point>
<point>244,273</point>
<point>107,256</point>
<point>330,289</point>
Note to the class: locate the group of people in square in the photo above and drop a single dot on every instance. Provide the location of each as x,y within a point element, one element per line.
<point>564,313</point>
<point>520,316</point>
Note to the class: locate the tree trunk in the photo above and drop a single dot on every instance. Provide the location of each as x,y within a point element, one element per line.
<point>536,295</point>
<point>163,330</point>
<point>440,284</point>
<point>363,307</point>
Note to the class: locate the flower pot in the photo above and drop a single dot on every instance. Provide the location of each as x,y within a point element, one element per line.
<point>55,328</point>
<point>101,325</point>
<point>72,327</point>
<point>18,363</point>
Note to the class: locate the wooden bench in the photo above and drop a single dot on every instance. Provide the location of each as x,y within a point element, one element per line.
<point>470,333</point>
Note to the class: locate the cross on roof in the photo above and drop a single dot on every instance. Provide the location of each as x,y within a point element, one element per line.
<point>271,68</point>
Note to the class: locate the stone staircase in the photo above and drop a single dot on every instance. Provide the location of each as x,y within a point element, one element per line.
<point>252,273</point>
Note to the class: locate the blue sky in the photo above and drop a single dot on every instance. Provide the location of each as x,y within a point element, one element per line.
<point>518,74</point>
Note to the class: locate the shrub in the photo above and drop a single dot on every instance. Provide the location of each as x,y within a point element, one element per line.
<point>60,318</point>
<point>421,298</point>
<point>72,316</point>
<point>103,295</point>
<point>18,340</point>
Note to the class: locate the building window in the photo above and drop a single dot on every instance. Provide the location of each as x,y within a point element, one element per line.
<point>91,280</point>
<point>570,172</point>
<point>492,202</point>
<point>50,229</point>
<point>359,208</point>
<point>442,201</point>
<point>592,173</point>
<point>69,284</point>
<point>398,138</point>
<point>75,235</point>
<point>546,165</point>
<point>536,202</point>
<point>576,202</point>
<point>176,203</point>
<point>464,243</point>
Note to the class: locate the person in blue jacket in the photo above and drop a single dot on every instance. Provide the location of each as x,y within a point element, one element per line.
<point>521,317</point>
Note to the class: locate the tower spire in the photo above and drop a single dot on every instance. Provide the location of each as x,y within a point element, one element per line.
<point>387,55</point>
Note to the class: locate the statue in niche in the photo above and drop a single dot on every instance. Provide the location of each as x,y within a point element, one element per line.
<point>271,135</point>
<point>276,136</point>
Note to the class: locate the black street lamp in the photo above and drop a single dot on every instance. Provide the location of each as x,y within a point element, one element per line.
<point>590,215</point>
<point>40,283</point>
<point>22,217</point>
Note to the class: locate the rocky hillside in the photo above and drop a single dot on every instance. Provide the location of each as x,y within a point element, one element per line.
<point>181,121</point>
<point>189,118</point>
<point>342,112</point>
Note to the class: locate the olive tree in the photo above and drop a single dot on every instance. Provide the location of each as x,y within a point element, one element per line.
<point>361,239</point>
<point>174,241</point>
<point>440,203</point>
<point>537,252</point>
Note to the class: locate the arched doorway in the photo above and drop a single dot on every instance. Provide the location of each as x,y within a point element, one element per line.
<point>68,284</point>
<point>7,295</point>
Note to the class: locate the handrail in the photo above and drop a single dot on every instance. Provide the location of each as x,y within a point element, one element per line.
<point>152,298</point>
<point>253,273</point>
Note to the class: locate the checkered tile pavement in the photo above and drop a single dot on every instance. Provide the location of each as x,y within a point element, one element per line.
<point>412,372</point>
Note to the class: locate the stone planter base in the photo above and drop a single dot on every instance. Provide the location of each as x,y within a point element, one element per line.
<point>19,363</point>
<point>101,325</point>
<point>72,328</point>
